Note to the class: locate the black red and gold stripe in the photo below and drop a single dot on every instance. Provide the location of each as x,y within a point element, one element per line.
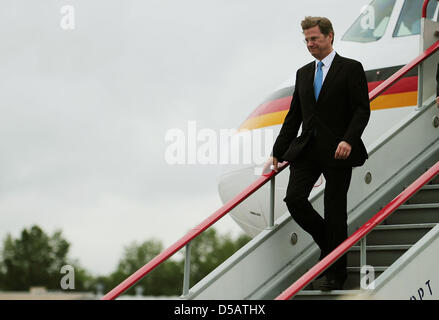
<point>402,94</point>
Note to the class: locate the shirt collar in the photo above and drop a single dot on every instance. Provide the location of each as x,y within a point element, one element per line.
<point>328,59</point>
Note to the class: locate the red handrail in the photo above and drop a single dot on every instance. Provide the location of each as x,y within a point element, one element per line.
<point>127,283</point>
<point>401,72</point>
<point>359,234</point>
<point>424,8</point>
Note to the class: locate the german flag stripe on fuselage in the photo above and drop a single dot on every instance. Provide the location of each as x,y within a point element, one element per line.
<point>402,94</point>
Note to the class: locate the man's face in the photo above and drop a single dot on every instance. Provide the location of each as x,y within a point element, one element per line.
<point>317,43</point>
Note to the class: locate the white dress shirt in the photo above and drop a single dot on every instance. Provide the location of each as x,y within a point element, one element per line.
<point>327,61</point>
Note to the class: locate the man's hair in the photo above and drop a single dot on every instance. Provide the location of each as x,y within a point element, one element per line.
<point>324,24</point>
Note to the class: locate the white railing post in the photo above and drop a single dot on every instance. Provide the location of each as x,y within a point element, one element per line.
<point>362,257</point>
<point>187,269</point>
<point>420,85</point>
<point>271,214</point>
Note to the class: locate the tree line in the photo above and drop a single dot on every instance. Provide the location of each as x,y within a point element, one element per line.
<point>35,258</point>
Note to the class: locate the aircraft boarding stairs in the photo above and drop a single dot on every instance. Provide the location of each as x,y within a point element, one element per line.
<point>387,243</point>
<point>393,216</point>
<point>269,263</point>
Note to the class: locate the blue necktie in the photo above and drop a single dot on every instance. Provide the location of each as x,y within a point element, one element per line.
<point>318,81</point>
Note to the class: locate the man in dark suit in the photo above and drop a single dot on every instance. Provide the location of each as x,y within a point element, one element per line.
<point>331,102</point>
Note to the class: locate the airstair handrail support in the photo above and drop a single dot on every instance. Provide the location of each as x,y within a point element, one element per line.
<point>401,72</point>
<point>360,233</point>
<point>187,269</point>
<point>272,198</point>
<point>424,9</point>
<point>192,234</point>
<point>425,40</point>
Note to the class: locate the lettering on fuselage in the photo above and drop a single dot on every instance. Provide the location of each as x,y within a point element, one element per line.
<point>423,292</point>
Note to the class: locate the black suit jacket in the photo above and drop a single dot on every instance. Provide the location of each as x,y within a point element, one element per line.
<point>341,113</point>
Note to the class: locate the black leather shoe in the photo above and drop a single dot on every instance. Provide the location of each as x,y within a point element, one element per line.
<point>331,284</point>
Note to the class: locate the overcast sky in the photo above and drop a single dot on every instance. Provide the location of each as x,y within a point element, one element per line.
<point>84,112</point>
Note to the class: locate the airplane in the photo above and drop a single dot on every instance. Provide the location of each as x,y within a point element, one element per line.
<point>384,37</point>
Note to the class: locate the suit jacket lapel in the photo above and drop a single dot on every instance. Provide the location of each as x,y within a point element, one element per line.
<point>335,67</point>
<point>309,82</point>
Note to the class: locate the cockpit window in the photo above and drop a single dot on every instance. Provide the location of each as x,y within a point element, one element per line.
<point>409,21</point>
<point>372,23</point>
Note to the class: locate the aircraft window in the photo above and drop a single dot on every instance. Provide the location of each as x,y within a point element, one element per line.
<point>372,23</point>
<point>409,21</point>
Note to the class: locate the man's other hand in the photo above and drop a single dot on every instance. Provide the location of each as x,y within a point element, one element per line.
<point>343,150</point>
<point>437,101</point>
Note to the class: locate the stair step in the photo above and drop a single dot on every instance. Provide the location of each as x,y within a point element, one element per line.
<point>398,234</point>
<point>358,269</point>
<point>427,194</point>
<point>414,213</point>
<point>405,226</point>
<point>419,206</point>
<point>377,255</point>
<point>435,180</point>
<point>352,282</point>
<point>431,186</point>
<point>326,295</point>
<point>383,247</point>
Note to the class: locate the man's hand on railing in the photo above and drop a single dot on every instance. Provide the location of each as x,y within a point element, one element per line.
<point>272,161</point>
<point>437,101</point>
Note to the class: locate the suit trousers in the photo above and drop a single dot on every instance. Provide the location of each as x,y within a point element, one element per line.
<point>330,231</point>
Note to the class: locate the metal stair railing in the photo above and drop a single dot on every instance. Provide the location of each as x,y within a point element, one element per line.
<point>193,233</point>
<point>360,234</point>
